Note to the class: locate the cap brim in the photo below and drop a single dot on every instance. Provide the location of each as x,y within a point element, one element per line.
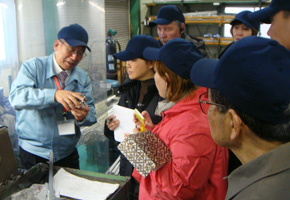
<point>242,21</point>
<point>160,21</point>
<point>203,72</point>
<point>151,53</point>
<point>263,15</point>
<point>75,43</point>
<point>125,55</point>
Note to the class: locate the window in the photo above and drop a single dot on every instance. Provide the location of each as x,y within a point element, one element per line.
<point>235,10</point>
<point>2,41</point>
<point>8,45</point>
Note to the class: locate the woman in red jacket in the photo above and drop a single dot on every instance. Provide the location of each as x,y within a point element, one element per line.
<point>198,165</point>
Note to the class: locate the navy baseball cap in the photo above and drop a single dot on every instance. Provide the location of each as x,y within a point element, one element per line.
<point>178,55</point>
<point>253,75</point>
<point>243,18</point>
<point>265,14</point>
<point>74,35</point>
<point>136,46</point>
<point>168,14</point>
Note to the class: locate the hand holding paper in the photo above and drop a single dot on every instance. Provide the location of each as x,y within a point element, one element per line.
<point>112,122</point>
<point>125,116</point>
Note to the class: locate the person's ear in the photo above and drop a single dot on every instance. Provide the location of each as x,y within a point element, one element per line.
<point>150,64</point>
<point>235,124</point>
<point>182,28</point>
<point>56,44</point>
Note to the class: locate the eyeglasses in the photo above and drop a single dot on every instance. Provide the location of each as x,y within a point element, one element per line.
<point>204,104</point>
<point>73,50</point>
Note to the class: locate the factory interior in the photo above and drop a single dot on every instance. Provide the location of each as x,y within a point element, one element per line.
<point>29,29</point>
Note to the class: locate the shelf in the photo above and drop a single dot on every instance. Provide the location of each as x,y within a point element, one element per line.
<point>214,41</point>
<point>264,3</point>
<point>222,19</point>
<point>217,41</point>
<point>226,41</point>
<point>209,20</point>
<point>204,23</point>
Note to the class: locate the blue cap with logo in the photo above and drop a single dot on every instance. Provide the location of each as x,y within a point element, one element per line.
<point>74,35</point>
<point>168,14</point>
<point>136,46</point>
<point>177,54</point>
<point>243,18</point>
<point>253,75</point>
<point>265,14</point>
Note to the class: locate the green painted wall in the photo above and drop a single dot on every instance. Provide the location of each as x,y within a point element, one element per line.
<point>51,26</point>
<point>135,17</point>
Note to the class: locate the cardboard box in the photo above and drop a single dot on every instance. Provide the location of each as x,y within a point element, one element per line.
<point>145,151</point>
<point>8,165</point>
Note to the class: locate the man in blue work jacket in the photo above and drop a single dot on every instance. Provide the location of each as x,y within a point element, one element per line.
<point>53,98</point>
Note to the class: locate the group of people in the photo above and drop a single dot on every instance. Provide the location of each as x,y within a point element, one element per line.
<point>211,106</point>
<point>199,107</point>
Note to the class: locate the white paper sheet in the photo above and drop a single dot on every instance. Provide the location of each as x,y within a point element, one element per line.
<point>125,116</point>
<point>69,185</point>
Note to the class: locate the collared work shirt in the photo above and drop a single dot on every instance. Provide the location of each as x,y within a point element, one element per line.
<point>32,95</point>
<point>264,178</point>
